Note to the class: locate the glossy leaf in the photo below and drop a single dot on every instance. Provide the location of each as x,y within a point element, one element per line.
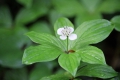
<point>92,32</point>
<point>5,17</point>
<point>43,38</point>
<point>41,53</point>
<point>116,21</point>
<point>26,3</point>
<point>69,62</point>
<point>91,55</point>
<point>97,70</point>
<point>63,76</point>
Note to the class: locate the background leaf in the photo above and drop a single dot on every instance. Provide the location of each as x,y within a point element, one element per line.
<point>16,74</point>
<point>53,16</point>
<point>116,21</point>
<point>67,10</point>
<point>12,43</point>
<point>40,70</point>
<point>38,9</point>
<point>41,27</point>
<point>26,3</point>
<point>69,62</point>
<point>109,6</point>
<point>86,16</point>
<point>91,5</point>
<point>40,53</point>
<point>97,70</point>
<point>5,17</point>
<point>91,55</point>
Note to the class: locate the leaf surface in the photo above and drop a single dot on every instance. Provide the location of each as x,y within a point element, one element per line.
<point>97,70</point>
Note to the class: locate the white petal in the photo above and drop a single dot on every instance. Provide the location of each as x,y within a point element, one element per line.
<point>63,37</point>
<point>71,29</point>
<point>73,37</point>
<point>59,31</point>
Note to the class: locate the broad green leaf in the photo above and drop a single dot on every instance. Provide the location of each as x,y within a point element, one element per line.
<point>15,74</point>
<point>91,55</point>
<point>109,6</point>
<point>97,70</point>
<point>11,43</point>
<point>92,32</point>
<point>41,53</point>
<point>91,5</point>
<point>69,62</point>
<point>5,17</point>
<point>61,23</point>
<point>26,3</point>
<point>67,8</point>
<point>38,9</point>
<point>116,21</point>
<point>43,38</point>
<point>41,27</point>
<point>40,70</point>
<point>64,76</point>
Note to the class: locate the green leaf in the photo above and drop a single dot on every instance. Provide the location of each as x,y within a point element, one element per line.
<point>64,76</point>
<point>91,55</point>
<point>91,32</point>
<point>43,38</point>
<point>86,16</point>
<point>41,27</point>
<point>15,74</point>
<point>61,23</point>
<point>69,62</point>
<point>5,17</point>
<point>91,5</point>
<point>116,21</point>
<point>97,70</point>
<point>109,6</point>
<point>40,70</point>
<point>38,9</point>
<point>26,3</point>
<point>53,16</point>
<point>40,53</point>
<point>117,77</point>
<point>67,8</point>
<point>11,43</point>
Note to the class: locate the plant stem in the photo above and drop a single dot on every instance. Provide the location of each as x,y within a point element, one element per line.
<point>67,43</point>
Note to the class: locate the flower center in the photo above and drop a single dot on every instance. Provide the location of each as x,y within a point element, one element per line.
<point>66,31</point>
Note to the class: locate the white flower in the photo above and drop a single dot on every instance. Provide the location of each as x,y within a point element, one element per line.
<point>66,32</point>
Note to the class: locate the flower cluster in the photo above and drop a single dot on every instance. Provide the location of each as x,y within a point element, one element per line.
<point>66,32</point>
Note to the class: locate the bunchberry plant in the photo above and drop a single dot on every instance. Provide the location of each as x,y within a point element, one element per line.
<point>72,47</point>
